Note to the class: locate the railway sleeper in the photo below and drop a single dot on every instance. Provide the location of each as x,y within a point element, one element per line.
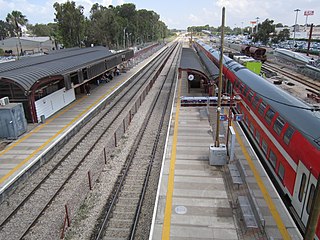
<point>112,233</point>
<point>122,215</point>
<point>117,223</point>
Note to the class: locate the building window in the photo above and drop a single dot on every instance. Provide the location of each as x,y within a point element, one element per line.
<point>278,125</point>
<point>269,115</point>
<point>288,135</point>
<point>302,186</point>
<point>281,171</point>
<point>310,199</point>
<point>262,107</point>
<point>273,159</point>
<point>264,146</point>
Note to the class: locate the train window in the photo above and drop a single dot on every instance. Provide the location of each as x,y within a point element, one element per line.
<point>269,115</point>
<point>255,101</point>
<point>311,196</point>
<point>250,96</point>
<point>262,107</point>
<point>288,135</point>
<point>245,91</point>
<point>302,186</point>
<point>278,125</point>
<point>281,171</point>
<point>246,120</point>
<point>264,146</point>
<point>258,136</point>
<point>273,159</point>
<point>251,128</point>
<point>241,88</point>
<point>237,84</point>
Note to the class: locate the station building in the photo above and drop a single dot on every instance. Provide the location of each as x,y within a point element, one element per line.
<point>45,84</point>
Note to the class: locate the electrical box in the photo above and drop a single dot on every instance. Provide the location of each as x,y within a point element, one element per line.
<point>4,101</point>
<point>13,122</point>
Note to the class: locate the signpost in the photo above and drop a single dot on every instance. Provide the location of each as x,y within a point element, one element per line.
<point>308,13</point>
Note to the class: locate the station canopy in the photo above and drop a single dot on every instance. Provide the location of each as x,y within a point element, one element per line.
<point>28,70</point>
<point>191,63</point>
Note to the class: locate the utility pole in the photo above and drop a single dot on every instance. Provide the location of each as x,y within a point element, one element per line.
<point>314,214</point>
<point>294,28</point>
<point>217,143</point>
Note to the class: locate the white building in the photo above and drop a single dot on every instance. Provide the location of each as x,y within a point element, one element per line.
<point>302,32</point>
<point>29,45</point>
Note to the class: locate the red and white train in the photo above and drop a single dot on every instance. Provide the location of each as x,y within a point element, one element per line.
<point>285,130</point>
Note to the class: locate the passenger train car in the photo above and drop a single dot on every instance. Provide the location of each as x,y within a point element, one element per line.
<point>285,131</point>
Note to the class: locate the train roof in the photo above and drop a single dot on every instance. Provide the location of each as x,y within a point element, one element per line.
<point>294,111</point>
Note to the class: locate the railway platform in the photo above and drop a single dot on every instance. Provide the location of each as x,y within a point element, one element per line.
<point>199,201</point>
<point>31,149</point>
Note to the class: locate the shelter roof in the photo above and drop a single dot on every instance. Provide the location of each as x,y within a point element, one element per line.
<point>190,61</point>
<point>27,71</point>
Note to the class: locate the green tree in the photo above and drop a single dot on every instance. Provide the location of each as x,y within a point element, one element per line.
<point>264,31</point>
<point>103,26</point>
<point>6,30</point>
<point>41,30</point>
<point>71,23</point>
<point>16,20</point>
<point>282,36</point>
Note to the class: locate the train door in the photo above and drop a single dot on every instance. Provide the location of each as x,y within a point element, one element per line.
<point>303,192</point>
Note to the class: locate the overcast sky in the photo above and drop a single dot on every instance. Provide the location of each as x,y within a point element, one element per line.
<point>180,14</point>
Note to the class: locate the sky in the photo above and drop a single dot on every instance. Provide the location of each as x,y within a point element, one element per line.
<point>180,14</point>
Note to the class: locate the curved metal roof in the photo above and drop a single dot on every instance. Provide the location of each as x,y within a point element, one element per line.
<point>191,61</point>
<point>27,71</point>
<point>294,111</point>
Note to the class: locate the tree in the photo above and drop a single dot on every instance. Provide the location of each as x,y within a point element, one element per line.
<point>71,23</point>
<point>16,19</point>
<point>41,30</point>
<point>282,36</point>
<point>265,29</point>
<point>6,30</point>
<point>103,26</point>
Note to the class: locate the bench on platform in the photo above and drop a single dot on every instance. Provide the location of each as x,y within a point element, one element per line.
<point>235,174</point>
<point>256,210</point>
<point>247,212</point>
<point>250,211</point>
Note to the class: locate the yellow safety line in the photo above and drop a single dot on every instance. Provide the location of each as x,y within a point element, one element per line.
<point>266,196</point>
<point>39,127</point>
<point>168,209</point>
<point>54,136</point>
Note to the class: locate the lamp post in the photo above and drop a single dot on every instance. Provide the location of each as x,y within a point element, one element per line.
<point>124,38</point>
<point>257,23</point>
<point>241,28</point>
<point>294,27</point>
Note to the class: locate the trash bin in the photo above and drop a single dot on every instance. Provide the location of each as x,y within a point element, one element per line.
<point>42,118</point>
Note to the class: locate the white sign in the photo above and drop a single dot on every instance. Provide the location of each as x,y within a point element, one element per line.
<point>308,12</point>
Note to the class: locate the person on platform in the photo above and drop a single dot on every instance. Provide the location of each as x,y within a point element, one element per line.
<point>87,88</point>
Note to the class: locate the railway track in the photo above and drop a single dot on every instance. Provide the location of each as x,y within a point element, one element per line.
<point>124,206</point>
<point>309,83</point>
<point>22,211</point>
